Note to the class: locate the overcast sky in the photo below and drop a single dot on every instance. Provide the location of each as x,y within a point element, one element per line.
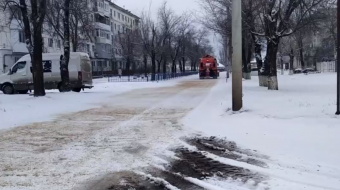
<point>137,6</point>
<point>179,6</point>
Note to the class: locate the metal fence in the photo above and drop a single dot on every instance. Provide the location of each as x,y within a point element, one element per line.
<point>149,77</point>
<point>326,66</point>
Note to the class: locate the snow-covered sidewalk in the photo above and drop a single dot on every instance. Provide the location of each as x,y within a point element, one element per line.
<point>17,110</point>
<point>295,126</point>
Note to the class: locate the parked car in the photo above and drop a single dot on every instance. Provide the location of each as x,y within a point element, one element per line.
<point>309,70</point>
<point>19,78</point>
<point>297,71</point>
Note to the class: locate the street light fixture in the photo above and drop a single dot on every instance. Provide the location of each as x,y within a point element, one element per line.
<point>237,55</point>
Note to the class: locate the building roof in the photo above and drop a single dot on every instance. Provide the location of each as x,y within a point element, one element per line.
<point>123,10</point>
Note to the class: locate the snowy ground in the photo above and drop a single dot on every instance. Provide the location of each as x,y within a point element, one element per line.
<point>127,138</point>
<point>30,109</point>
<point>295,126</point>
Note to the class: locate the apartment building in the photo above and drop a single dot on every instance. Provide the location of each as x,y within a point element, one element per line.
<point>106,55</point>
<point>110,19</point>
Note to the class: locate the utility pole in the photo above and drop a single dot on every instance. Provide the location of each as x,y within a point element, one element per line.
<point>338,61</point>
<point>237,55</point>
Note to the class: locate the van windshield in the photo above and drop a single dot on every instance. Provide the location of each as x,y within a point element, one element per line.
<point>18,66</point>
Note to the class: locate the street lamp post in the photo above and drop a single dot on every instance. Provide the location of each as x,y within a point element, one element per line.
<point>237,55</point>
<point>338,60</point>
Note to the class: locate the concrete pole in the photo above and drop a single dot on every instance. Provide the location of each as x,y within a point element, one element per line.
<point>338,62</point>
<point>237,55</point>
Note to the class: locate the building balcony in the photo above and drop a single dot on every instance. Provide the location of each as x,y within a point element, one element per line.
<point>99,25</point>
<point>101,11</point>
<point>101,40</point>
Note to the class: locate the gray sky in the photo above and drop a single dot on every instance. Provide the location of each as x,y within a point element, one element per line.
<point>179,6</point>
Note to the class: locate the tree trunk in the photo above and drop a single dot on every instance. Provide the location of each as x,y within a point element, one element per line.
<point>245,59</point>
<point>64,60</point>
<point>153,65</point>
<point>173,67</point>
<point>75,44</point>
<point>38,80</point>
<point>270,64</point>
<point>226,51</point>
<point>128,62</point>
<point>248,65</point>
<point>258,58</point>
<point>159,66</point>
<point>38,15</point>
<point>180,66</point>
<point>291,62</point>
<point>145,60</point>
<point>183,64</point>
<point>164,64</point>
<point>28,34</point>
<point>301,58</point>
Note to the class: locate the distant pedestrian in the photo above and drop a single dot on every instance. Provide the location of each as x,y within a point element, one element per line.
<point>120,72</point>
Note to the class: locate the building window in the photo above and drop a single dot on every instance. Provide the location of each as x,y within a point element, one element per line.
<point>88,47</point>
<point>97,32</point>
<point>21,36</point>
<point>50,42</point>
<point>114,13</point>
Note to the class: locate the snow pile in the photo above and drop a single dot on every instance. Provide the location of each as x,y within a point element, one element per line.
<point>295,126</point>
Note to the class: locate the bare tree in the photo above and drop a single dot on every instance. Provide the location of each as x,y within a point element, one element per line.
<point>217,17</point>
<point>278,22</point>
<point>64,60</point>
<point>71,21</point>
<point>81,21</point>
<point>32,21</point>
<point>168,26</point>
<point>149,35</point>
<point>130,42</point>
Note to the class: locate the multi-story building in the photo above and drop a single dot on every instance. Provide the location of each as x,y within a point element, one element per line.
<point>108,20</point>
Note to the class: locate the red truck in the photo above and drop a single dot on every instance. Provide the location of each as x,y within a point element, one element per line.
<point>208,67</point>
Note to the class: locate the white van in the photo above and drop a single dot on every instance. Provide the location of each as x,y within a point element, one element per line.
<point>19,78</point>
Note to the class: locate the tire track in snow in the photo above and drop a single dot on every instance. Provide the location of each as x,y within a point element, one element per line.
<point>75,148</point>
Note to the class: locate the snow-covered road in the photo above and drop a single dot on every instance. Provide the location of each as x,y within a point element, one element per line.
<point>125,133</point>
<point>159,138</point>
